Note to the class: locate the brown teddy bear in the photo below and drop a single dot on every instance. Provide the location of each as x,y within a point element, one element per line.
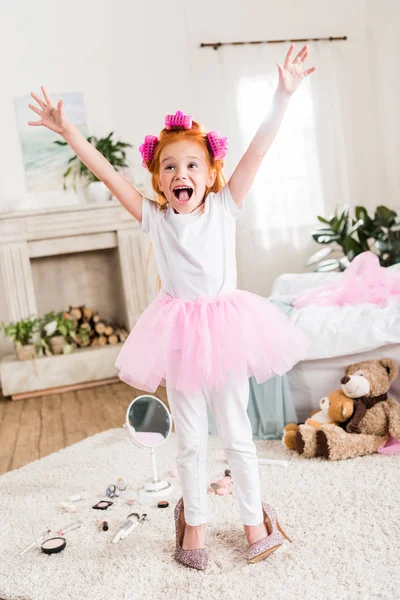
<point>335,408</point>
<point>375,418</point>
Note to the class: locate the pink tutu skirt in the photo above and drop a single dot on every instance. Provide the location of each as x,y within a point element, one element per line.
<point>209,343</point>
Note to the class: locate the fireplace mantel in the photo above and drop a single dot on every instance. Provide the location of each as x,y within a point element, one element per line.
<point>56,222</point>
<point>51,231</point>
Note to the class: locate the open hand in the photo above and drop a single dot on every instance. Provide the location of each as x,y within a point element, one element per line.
<point>292,74</point>
<point>50,116</point>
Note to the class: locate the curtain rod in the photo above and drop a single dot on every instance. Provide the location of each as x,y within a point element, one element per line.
<point>217,45</point>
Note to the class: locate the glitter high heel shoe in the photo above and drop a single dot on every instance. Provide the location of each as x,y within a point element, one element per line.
<point>274,540</point>
<point>197,559</point>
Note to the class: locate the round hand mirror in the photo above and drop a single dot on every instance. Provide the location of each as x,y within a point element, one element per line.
<point>149,424</point>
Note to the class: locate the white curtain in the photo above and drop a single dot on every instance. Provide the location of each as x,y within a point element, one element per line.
<point>305,171</point>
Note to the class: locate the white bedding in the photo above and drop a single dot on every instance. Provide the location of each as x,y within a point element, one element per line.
<point>339,335</point>
<point>337,330</point>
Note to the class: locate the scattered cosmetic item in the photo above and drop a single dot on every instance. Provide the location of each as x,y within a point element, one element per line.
<point>75,498</point>
<point>37,542</point>
<point>121,485</point>
<point>53,545</point>
<point>68,507</point>
<point>69,528</point>
<point>126,525</point>
<point>112,491</point>
<point>103,524</point>
<point>222,486</point>
<point>128,530</point>
<point>130,502</point>
<point>163,504</point>
<point>273,461</point>
<point>102,505</point>
<point>133,521</point>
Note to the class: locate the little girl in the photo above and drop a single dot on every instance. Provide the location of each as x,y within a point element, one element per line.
<point>202,337</point>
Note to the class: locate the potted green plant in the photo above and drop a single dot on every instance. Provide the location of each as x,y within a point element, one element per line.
<point>350,235</point>
<point>25,334</point>
<point>114,152</point>
<point>58,332</point>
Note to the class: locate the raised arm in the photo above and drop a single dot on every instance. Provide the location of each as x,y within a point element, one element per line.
<point>290,77</point>
<point>55,119</point>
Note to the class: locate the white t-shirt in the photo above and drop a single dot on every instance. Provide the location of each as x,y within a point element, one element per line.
<point>195,253</point>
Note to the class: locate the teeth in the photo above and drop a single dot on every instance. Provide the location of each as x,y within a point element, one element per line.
<point>182,187</point>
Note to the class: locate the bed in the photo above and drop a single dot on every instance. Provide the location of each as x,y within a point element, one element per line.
<point>340,335</point>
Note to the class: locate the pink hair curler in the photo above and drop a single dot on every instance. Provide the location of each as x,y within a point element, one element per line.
<point>147,148</point>
<point>218,144</point>
<point>178,120</point>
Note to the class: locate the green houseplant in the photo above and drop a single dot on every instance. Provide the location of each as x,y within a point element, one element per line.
<point>25,334</point>
<point>349,235</point>
<point>57,332</point>
<point>114,152</point>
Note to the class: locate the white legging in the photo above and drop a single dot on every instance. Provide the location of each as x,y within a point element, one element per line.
<point>229,409</point>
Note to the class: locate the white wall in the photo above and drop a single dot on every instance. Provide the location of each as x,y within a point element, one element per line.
<point>119,54</point>
<point>134,63</point>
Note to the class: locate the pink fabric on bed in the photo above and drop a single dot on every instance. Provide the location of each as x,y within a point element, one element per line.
<point>364,280</point>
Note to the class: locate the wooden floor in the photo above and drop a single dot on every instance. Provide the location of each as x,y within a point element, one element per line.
<point>35,427</point>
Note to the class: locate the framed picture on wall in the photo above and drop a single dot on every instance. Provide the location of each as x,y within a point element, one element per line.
<point>44,161</point>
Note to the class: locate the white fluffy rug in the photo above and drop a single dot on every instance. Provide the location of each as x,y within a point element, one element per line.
<point>343,517</point>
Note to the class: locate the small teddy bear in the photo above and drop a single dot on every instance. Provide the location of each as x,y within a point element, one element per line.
<point>376,418</point>
<point>335,408</point>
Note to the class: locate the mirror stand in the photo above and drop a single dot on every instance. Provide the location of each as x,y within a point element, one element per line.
<point>155,487</point>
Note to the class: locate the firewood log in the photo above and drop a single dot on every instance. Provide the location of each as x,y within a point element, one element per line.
<point>100,327</point>
<point>82,343</point>
<point>75,313</point>
<point>121,333</point>
<point>87,313</point>
<point>102,340</point>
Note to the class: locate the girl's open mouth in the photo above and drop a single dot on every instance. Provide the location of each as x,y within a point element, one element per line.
<point>183,194</point>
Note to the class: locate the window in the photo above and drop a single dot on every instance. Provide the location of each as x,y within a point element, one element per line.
<point>287,190</point>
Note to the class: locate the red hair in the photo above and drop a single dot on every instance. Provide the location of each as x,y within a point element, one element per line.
<point>196,134</point>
